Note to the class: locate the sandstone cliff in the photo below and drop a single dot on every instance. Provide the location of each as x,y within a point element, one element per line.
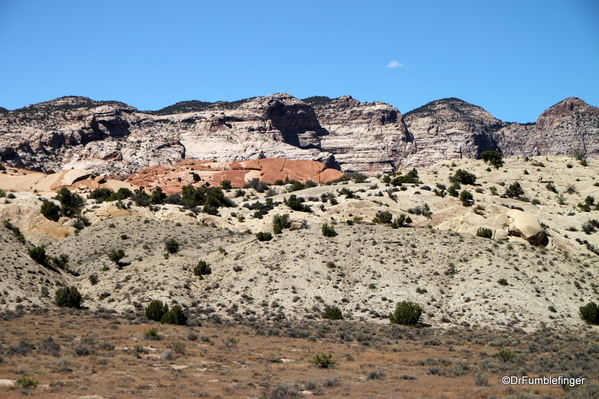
<point>365,137</point>
<point>450,129</point>
<point>110,137</point>
<point>571,125</point>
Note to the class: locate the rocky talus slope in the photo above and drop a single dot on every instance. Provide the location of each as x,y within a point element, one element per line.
<point>113,138</point>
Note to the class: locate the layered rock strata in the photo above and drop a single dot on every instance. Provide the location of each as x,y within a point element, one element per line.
<point>114,138</point>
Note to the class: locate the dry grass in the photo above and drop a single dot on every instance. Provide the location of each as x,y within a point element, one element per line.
<point>259,360</point>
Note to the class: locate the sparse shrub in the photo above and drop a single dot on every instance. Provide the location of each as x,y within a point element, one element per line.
<point>328,231</point>
<point>588,205</point>
<point>590,226</point>
<point>93,279</point>
<point>406,313</point>
<point>481,379</point>
<point>466,198</point>
<point>401,221</point>
<point>71,203</point>
<point>375,375</point>
<point>68,297</point>
<point>514,190</point>
<point>463,177</point>
<point>202,269</point>
<point>61,261</point>
<point>156,309</point>
<point>536,163</point>
<point>590,313</point>
<point>383,217</point>
<point>502,282</point>
<point>296,185</point>
<point>15,231</point>
<point>38,254</point>
<point>100,194</point>
<point>257,185</point>
<point>505,355</point>
<point>484,232</point>
<point>177,347</point>
<point>116,255</point>
<point>280,222</point>
<point>323,360</point>
<point>23,348</point>
<point>551,188</point>
<point>83,350</point>
<point>331,382</point>
<point>492,157</point>
<point>152,334</point>
<point>231,342</point>
<point>332,314</point>
<point>49,347</point>
<point>410,178</point>
<point>226,184</point>
<point>27,382</point>
<point>423,210</point>
<point>296,204</point>
<point>171,246</point>
<point>453,189</point>
<point>174,316</point>
<point>358,177</point>
<point>263,236</point>
<point>284,391</point>
<point>50,210</point>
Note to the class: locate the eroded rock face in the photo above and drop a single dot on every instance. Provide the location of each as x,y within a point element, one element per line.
<point>450,129</point>
<point>365,137</point>
<point>569,125</point>
<point>113,138</point>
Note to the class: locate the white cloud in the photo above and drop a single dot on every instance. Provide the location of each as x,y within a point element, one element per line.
<point>396,64</point>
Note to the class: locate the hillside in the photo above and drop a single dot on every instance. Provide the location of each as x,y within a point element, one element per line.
<point>367,268</point>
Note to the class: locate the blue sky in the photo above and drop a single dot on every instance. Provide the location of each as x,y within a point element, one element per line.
<point>513,58</point>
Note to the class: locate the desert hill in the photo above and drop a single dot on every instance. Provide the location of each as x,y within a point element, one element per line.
<point>437,259</point>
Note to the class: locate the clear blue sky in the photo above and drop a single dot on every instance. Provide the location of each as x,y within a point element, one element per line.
<point>513,58</point>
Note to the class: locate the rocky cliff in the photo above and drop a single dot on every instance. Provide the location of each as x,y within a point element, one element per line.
<point>450,129</point>
<point>365,137</point>
<point>111,137</point>
<point>114,138</point>
<point>571,125</point>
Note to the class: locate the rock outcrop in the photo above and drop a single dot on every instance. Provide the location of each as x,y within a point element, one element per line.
<point>525,226</point>
<point>365,137</point>
<point>172,178</point>
<point>113,138</point>
<point>450,129</point>
<point>571,125</point>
